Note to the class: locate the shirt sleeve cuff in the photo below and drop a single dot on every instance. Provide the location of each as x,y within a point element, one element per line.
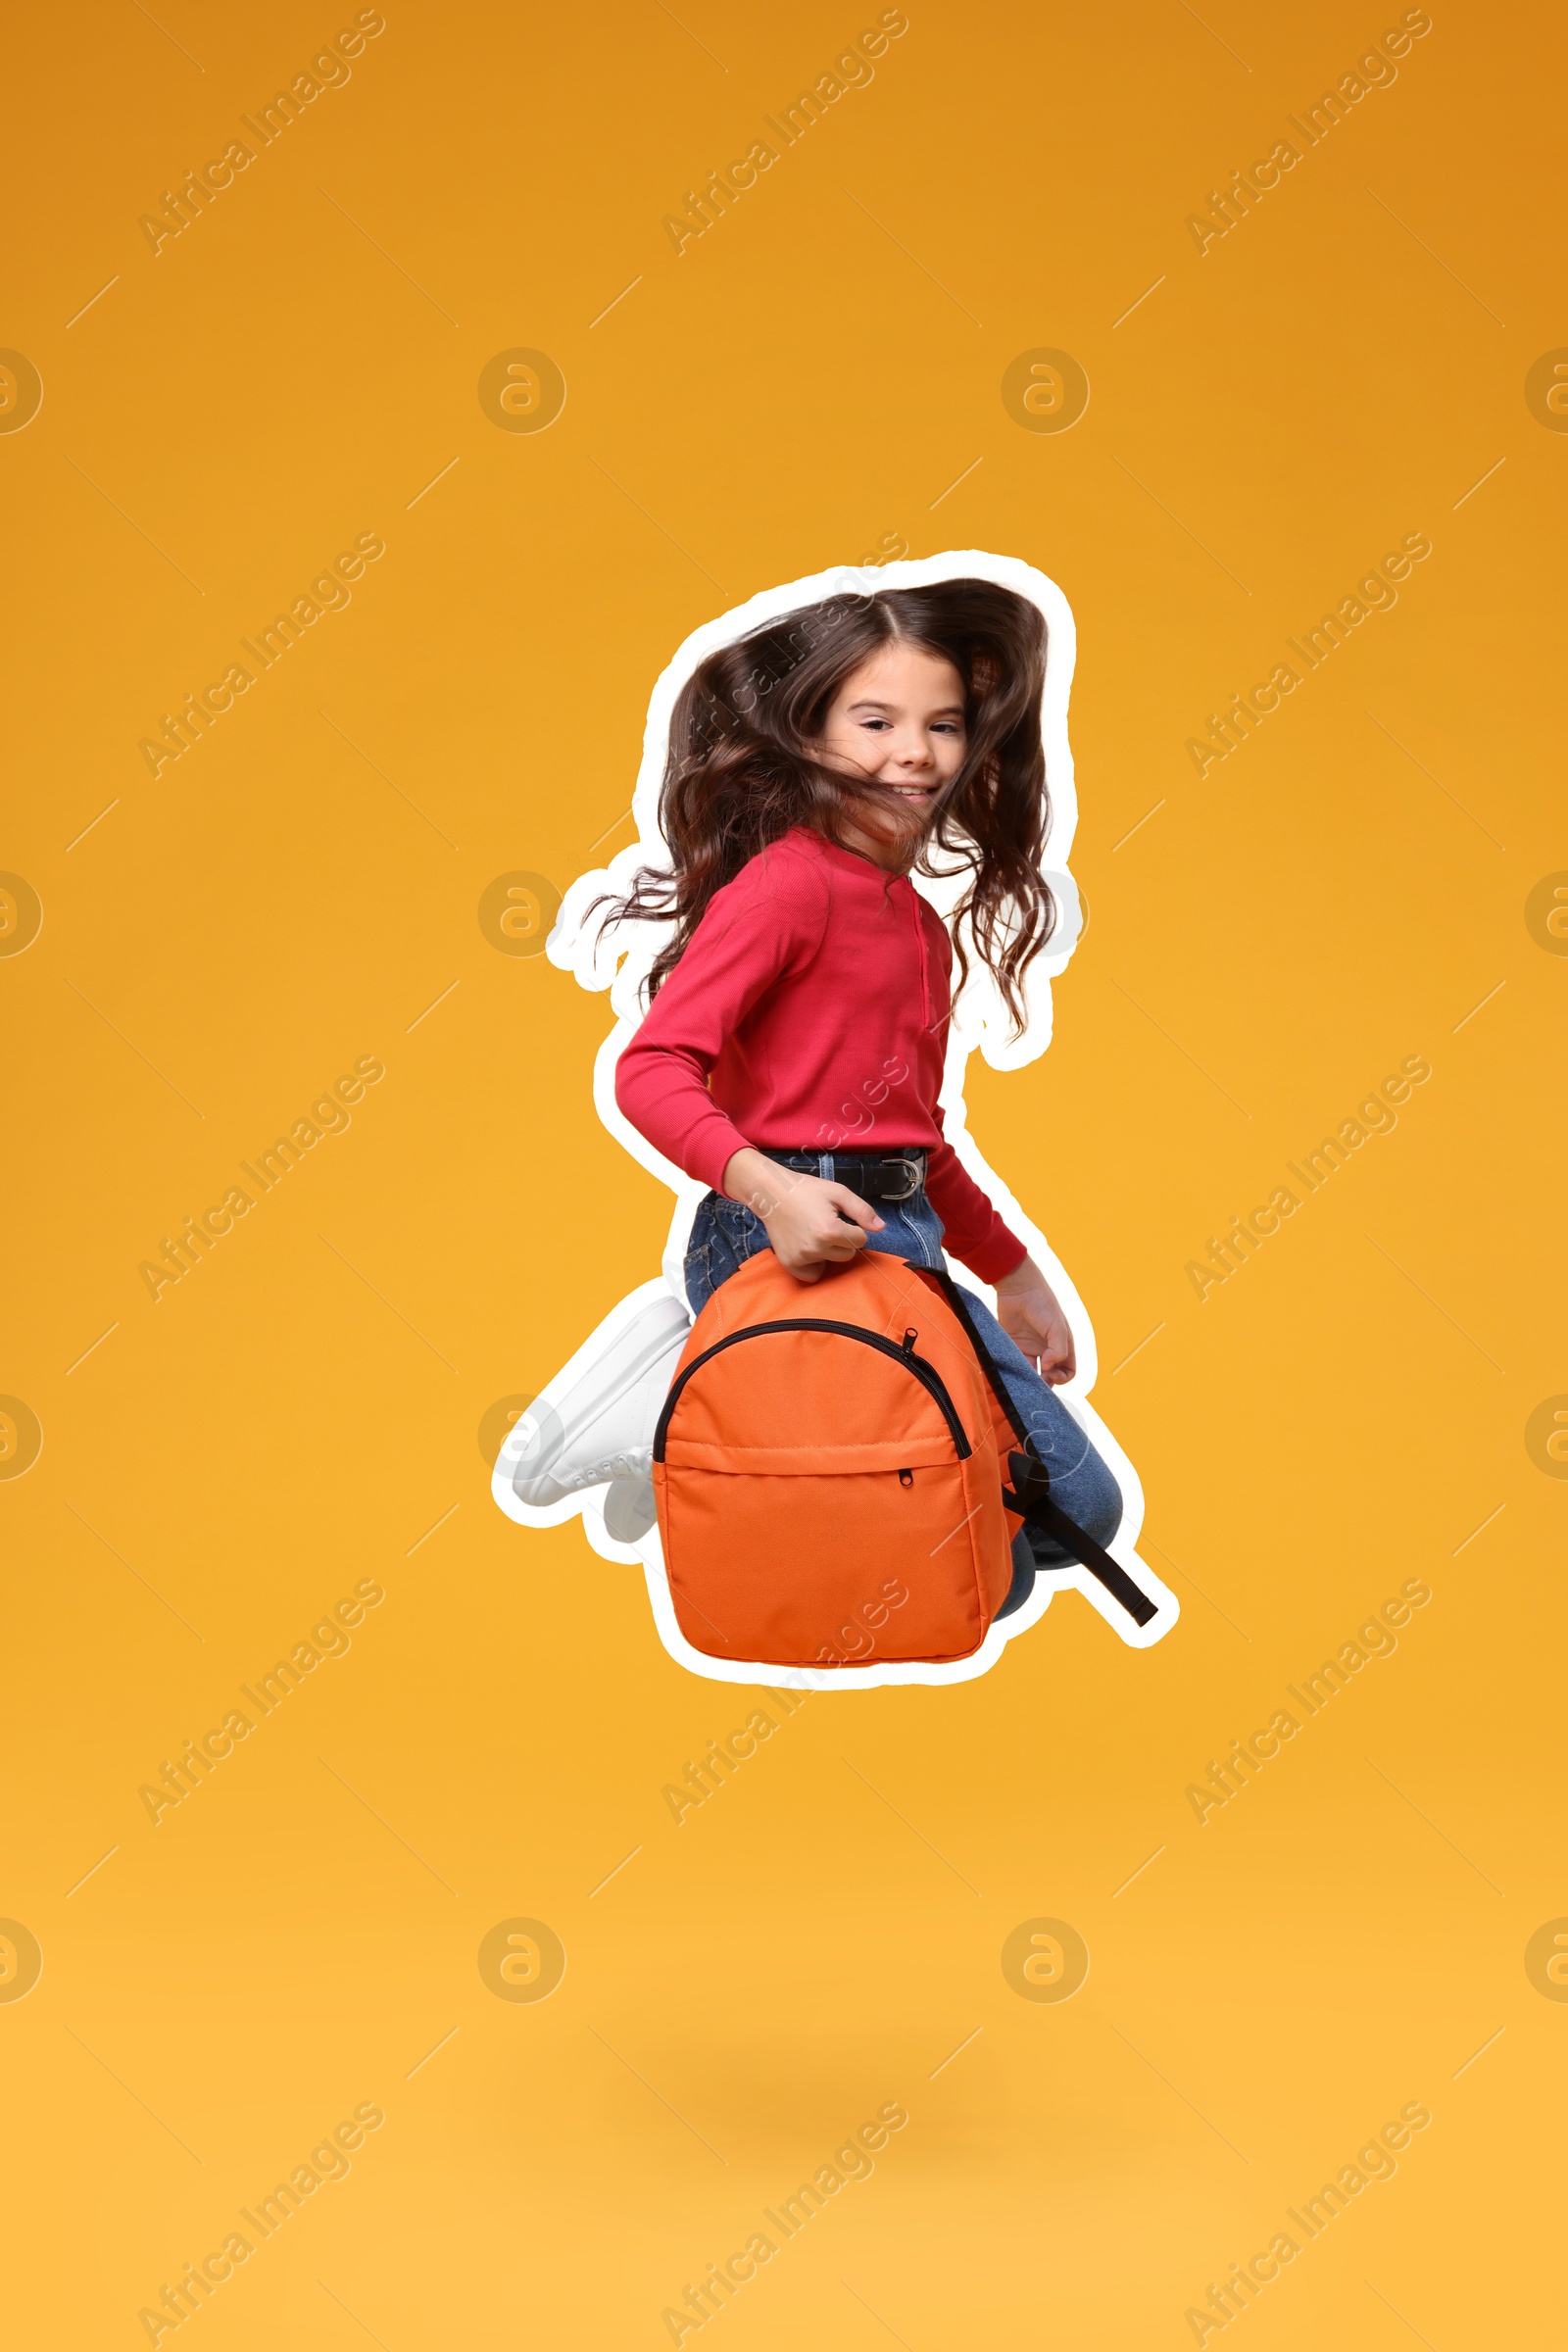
<point>713,1149</point>
<point>1002,1252</point>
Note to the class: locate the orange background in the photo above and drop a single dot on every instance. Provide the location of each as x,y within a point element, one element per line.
<point>221,942</point>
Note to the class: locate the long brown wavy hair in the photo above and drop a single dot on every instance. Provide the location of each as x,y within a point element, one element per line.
<point>742,769</point>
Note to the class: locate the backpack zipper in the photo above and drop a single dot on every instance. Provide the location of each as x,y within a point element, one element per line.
<point>926,1374</point>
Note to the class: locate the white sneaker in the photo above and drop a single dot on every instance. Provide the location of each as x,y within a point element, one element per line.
<point>629,1509</point>
<point>595,1420</point>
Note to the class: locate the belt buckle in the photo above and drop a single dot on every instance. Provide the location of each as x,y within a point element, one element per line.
<point>916,1176</point>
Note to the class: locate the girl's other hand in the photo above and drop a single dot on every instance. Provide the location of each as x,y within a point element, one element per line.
<point>1028,1311</point>
<point>805,1217</point>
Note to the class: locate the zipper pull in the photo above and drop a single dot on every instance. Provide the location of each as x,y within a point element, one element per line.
<point>906,1478</point>
<point>909,1338</point>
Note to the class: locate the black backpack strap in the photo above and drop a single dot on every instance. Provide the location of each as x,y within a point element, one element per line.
<point>1030,1497</point>
<point>1030,1493</point>
<point>1000,1390</point>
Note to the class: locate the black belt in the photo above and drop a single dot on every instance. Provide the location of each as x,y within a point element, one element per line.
<point>888,1176</point>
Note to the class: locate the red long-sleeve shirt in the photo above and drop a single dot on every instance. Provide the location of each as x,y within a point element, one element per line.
<point>809,1013</point>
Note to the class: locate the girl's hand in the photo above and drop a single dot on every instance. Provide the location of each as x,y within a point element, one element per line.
<point>804,1215</point>
<point>1029,1313</point>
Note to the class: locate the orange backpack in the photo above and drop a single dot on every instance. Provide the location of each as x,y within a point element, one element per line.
<point>829,1469</point>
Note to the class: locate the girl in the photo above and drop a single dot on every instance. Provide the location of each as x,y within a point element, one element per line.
<point>793,1052</point>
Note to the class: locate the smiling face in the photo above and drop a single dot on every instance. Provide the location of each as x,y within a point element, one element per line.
<point>898,722</point>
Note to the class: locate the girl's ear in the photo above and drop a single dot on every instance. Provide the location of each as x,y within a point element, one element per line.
<point>984,672</point>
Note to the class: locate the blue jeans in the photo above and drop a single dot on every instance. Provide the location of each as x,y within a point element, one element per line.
<point>727,1233</point>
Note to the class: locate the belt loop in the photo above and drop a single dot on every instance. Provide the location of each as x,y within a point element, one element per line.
<point>824,1166</point>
